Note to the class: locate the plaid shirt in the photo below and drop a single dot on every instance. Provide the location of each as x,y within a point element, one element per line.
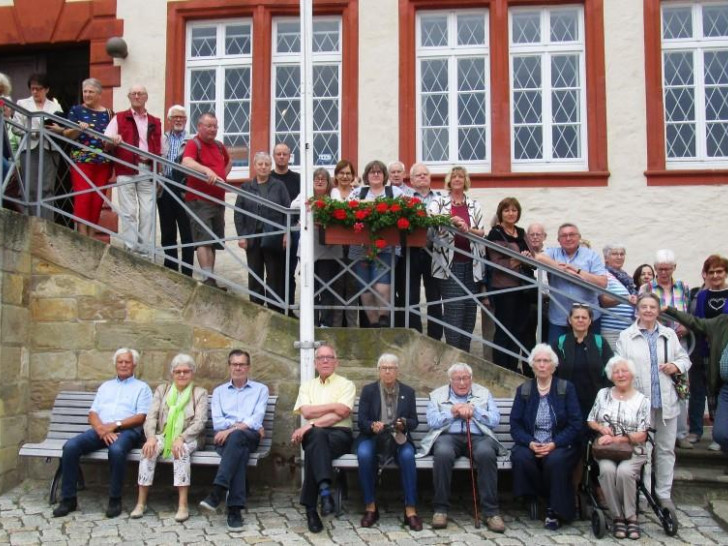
<point>678,297</point>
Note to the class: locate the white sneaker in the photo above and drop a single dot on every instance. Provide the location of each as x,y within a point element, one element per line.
<point>714,446</point>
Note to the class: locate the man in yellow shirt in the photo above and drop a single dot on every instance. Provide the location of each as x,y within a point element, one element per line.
<point>326,403</point>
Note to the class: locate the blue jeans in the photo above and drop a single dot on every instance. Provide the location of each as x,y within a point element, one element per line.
<point>366,453</point>
<point>86,443</point>
<point>720,424</point>
<point>231,473</point>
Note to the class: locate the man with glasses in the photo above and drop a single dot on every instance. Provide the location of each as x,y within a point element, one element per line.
<point>238,408</point>
<point>453,410</point>
<point>138,128</point>
<point>573,259</point>
<point>325,402</point>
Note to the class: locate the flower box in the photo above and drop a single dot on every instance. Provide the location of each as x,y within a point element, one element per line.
<point>342,235</point>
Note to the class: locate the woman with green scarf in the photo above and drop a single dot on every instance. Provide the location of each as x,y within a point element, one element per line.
<point>175,427</point>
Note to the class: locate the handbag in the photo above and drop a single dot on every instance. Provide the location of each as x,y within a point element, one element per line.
<point>612,452</point>
<point>679,381</point>
<point>271,242</point>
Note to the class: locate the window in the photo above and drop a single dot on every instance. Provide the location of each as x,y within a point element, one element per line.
<point>218,79</point>
<point>695,84</point>
<point>547,89</point>
<point>453,102</point>
<point>286,88</point>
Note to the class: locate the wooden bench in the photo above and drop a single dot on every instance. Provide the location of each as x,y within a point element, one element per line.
<point>69,417</point>
<point>349,461</point>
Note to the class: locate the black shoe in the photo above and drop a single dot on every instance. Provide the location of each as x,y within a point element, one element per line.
<point>327,505</point>
<point>65,507</point>
<point>234,520</point>
<point>383,322</point>
<point>314,521</point>
<point>114,508</point>
<point>210,503</point>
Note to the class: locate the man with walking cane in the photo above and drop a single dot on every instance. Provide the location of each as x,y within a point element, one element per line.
<point>461,416</point>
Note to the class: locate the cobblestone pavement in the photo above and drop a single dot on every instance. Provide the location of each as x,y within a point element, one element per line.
<point>274,517</point>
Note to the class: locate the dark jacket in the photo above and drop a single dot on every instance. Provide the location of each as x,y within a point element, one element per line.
<point>245,224</point>
<point>127,130</point>
<point>565,414</point>
<point>370,408</point>
<point>596,360</point>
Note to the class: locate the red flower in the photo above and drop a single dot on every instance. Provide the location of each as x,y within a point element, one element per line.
<point>353,204</point>
<point>358,227</point>
<point>395,208</point>
<point>382,207</point>
<point>414,201</point>
<point>340,214</point>
<point>319,204</point>
<point>403,223</point>
<point>361,214</point>
<point>380,243</point>
<point>421,213</point>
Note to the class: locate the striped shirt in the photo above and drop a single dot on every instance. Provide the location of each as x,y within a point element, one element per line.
<point>621,316</point>
<point>171,148</point>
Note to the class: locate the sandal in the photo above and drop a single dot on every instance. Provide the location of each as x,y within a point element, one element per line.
<point>619,529</point>
<point>633,530</point>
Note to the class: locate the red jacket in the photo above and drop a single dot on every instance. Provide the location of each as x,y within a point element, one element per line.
<point>130,135</point>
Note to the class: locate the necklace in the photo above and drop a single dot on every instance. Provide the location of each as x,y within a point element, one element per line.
<point>510,231</point>
<point>545,388</point>
<point>620,395</point>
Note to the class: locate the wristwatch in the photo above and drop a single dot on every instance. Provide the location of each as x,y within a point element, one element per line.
<point>118,426</point>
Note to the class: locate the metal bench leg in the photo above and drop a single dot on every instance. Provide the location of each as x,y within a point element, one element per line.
<point>342,491</point>
<point>81,479</point>
<point>52,497</point>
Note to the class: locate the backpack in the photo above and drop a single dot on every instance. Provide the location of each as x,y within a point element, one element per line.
<point>598,340</point>
<point>388,192</point>
<point>177,175</point>
<point>560,388</point>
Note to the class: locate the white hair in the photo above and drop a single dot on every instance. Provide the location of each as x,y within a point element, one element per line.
<point>176,108</point>
<point>125,350</point>
<point>182,359</point>
<point>459,367</point>
<point>262,156</point>
<point>388,358</point>
<point>665,256</point>
<point>609,248</point>
<point>92,82</point>
<point>543,348</point>
<point>616,359</point>
<point>396,163</point>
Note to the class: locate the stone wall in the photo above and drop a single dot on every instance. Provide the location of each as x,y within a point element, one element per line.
<point>68,302</point>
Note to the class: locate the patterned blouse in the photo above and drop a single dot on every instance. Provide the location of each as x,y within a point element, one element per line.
<point>97,120</point>
<point>631,415</point>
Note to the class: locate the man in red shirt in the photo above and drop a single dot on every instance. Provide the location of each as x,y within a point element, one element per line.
<point>210,158</point>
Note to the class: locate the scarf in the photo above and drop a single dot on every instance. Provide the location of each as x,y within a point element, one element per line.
<point>624,278</point>
<point>176,417</point>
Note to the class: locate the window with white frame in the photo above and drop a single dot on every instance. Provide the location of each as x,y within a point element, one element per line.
<point>286,88</point>
<point>695,83</point>
<point>453,98</point>
<point>218,79</point>
<point>548,91</point>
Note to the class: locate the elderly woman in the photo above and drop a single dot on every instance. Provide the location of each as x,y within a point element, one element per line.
<point>657,354</point>
<point>643,274</point>
<point>509,306</point>
<point>90,169</point>
<point>265,254</point>
<point>614,256</point>
<point>545,424</point>
<point>174,428</point>
<point>621,414</point>
<point>387,414</point>
<point>38,102</point>
<point>582,356</point>
<point>452,263</point>
<point>374,271</point>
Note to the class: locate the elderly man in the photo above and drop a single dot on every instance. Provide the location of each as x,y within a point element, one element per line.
<point>172,214</point>
<point>325,402</point>
<point>396,172</point>
<point>138,128</point>
<point>207,217</point>
<point>238,408</point>
<point>453,410</point>
<point>572,258</point>
<point>116,418</point>
<point>536,235</point>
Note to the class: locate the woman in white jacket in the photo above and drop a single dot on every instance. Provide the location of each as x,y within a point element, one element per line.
<point>658,355</point>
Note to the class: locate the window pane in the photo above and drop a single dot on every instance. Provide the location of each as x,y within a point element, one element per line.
<point>565,106</point>
<point>680,140</point>
<point>202,85</point>
<point>237,40</point>
<point>527,72</point>
<point>435,145</point>
<point>717,143</point>
<point>715,21</point>
<point>325,80</point>
<point>528,142</point>
<point>565,26</point>
<point>325,148</point>
<point>288,37</point>
<point>433,75</point>
<point>716,67</point>
<point>325,36</point>
<point>471,144</point>
<point>199,108</point>
<point>679,104</point>
<point>288,81</point>
<point>565,141</point>
<point>565,71</point>
<point>434,110</point>
<point>236,124</point>
<point>471,109</point>
<point>527,107</point>
<point>678,68</point>
<point>526,28</point>
<point>325,115</point>
<point>677,23</point>
<point>433,31</point>
<point>471,29</point>
<point>204,41</point>
<point>716,104</point>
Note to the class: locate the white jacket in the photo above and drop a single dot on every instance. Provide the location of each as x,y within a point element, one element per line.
<point>50,106</point>
<point>634,346</point>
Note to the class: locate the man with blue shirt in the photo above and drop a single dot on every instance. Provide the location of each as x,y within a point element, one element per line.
<point>238,408</point>
<point>451,410</point>
<point>582,262</point>
<point>116,418</point>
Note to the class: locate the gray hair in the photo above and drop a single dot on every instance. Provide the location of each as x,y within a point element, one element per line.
<point>262,156</point>
<point>395,163</point>
<point>322,344</point>
<point>140,86</point>
<point>125,350</point>
<point>609,248</point>
<point>413,167</point>
<point>459,367</point>
<point>92,82</point>
<point>665,256</point>
<point>388,358</point>
<point>648,295</point>
<point>6,87</point>
<point>176,108</point>
<point>182,359</point>
<point>616,359</point>
<point>543,348</point>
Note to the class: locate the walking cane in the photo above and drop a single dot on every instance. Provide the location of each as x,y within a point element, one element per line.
<point>472,477</point>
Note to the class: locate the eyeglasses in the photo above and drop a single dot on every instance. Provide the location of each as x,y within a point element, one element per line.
<point>324,358</point>
<point>376,173</point>
<point>462,379</point>
<point>716,272</point>
<point>388,368</point>
<point>178,118</point>
<point>569,235</point>
<point>345,175</point>
<point>182,372</point>
<point>137,93</point>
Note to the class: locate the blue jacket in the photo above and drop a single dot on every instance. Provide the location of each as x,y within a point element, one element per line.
<point>565,414</point>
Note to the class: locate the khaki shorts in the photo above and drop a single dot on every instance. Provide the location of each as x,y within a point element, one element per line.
<point>211,215</point>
